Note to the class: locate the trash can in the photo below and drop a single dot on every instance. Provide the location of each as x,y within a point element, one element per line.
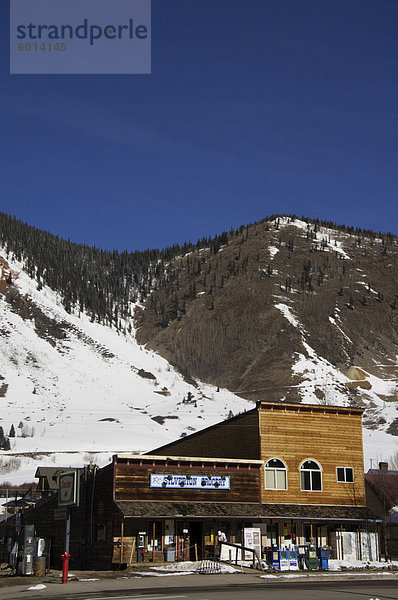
<point>39,566</point>
<point>169,554</point>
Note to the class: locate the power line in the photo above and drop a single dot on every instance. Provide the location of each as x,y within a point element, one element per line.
<point>284,387</point>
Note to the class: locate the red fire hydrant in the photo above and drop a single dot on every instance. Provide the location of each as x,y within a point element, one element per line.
<point>65,557</point>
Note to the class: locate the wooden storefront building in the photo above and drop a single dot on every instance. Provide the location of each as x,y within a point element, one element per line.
<point>293,471</point>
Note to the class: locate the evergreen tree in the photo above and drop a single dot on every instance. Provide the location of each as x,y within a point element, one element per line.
<point>4,441</point>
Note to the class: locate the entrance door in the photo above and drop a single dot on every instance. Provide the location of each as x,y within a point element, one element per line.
<point>195,540</point>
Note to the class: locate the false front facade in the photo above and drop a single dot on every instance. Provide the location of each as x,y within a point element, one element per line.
<point>289,474</point>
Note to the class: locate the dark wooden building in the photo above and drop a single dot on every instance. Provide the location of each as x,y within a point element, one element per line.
<point>382,499</point>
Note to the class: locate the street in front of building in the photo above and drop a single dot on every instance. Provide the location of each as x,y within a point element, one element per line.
<point>222,587</point>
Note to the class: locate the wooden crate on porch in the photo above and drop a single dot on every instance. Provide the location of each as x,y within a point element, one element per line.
<point>149,556</point>
<point>124,550</point>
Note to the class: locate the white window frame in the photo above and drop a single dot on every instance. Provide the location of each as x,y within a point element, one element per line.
<point>275,470</point>
<point>301,470</point>
<point>345,475</point>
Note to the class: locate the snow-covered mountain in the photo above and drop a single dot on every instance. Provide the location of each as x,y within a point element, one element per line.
<point>72,386</point>
<point>292,310</point>
<point>283,310</point>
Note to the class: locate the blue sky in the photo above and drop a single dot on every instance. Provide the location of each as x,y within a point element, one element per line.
<point>253,107</point>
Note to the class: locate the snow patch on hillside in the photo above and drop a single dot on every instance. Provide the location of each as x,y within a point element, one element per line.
<point>320,378</point>
<point>273,250</point>
<point>92,389</point>
<point>334,322</point>
<point>324,234</point>
<point>317,372</point>
<point>287,313</point>
<point>288,222</point>
<point>97,392</point>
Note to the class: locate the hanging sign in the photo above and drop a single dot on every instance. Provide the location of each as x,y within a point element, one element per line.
<point>192,482</point>
<point>68,489</point>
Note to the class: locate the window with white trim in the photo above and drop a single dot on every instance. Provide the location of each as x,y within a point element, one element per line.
<point>311,476</point>
<point>275,475</point>
<point>345,474</point>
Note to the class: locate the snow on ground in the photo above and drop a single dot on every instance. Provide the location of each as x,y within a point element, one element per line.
<point>287,313</point>
<point>318,372</point>
<point>324,234</point>
<point>367,286</point>
<point>273,250</point>
<point>186,565</point>
<point>379,445</point>
<point>334,322</point>
<point>39,586</point>
<point>306,574</point>
<point>95,392</point>
<point>382,387</point>
<point>156,574</point>
<point>287,221</point>
<point>315,370</point>
<point>337,565</point>
<point>184,568</point>
<point>22,467</point>
<point>336,246</point>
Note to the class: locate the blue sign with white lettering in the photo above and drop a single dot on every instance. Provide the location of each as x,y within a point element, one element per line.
<point>193,482</point>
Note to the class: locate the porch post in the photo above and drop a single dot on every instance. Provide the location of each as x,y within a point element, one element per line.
<point>153,540</point>
<point>121,540</point>
<point>341,542</point>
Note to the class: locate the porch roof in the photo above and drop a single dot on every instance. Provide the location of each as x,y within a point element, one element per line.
<point>238,510</point>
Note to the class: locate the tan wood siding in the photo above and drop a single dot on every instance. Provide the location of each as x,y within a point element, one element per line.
<point>236,438</point>
<point>332,439</point>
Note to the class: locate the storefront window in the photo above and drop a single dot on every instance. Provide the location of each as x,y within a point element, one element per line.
<point>275,475</point>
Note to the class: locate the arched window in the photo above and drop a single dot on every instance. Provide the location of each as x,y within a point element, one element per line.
<point>311,476</point>
<point>275,475</point>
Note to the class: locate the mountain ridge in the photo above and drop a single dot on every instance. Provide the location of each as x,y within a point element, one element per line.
<point>282,310</point>
<point>256,280</point>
